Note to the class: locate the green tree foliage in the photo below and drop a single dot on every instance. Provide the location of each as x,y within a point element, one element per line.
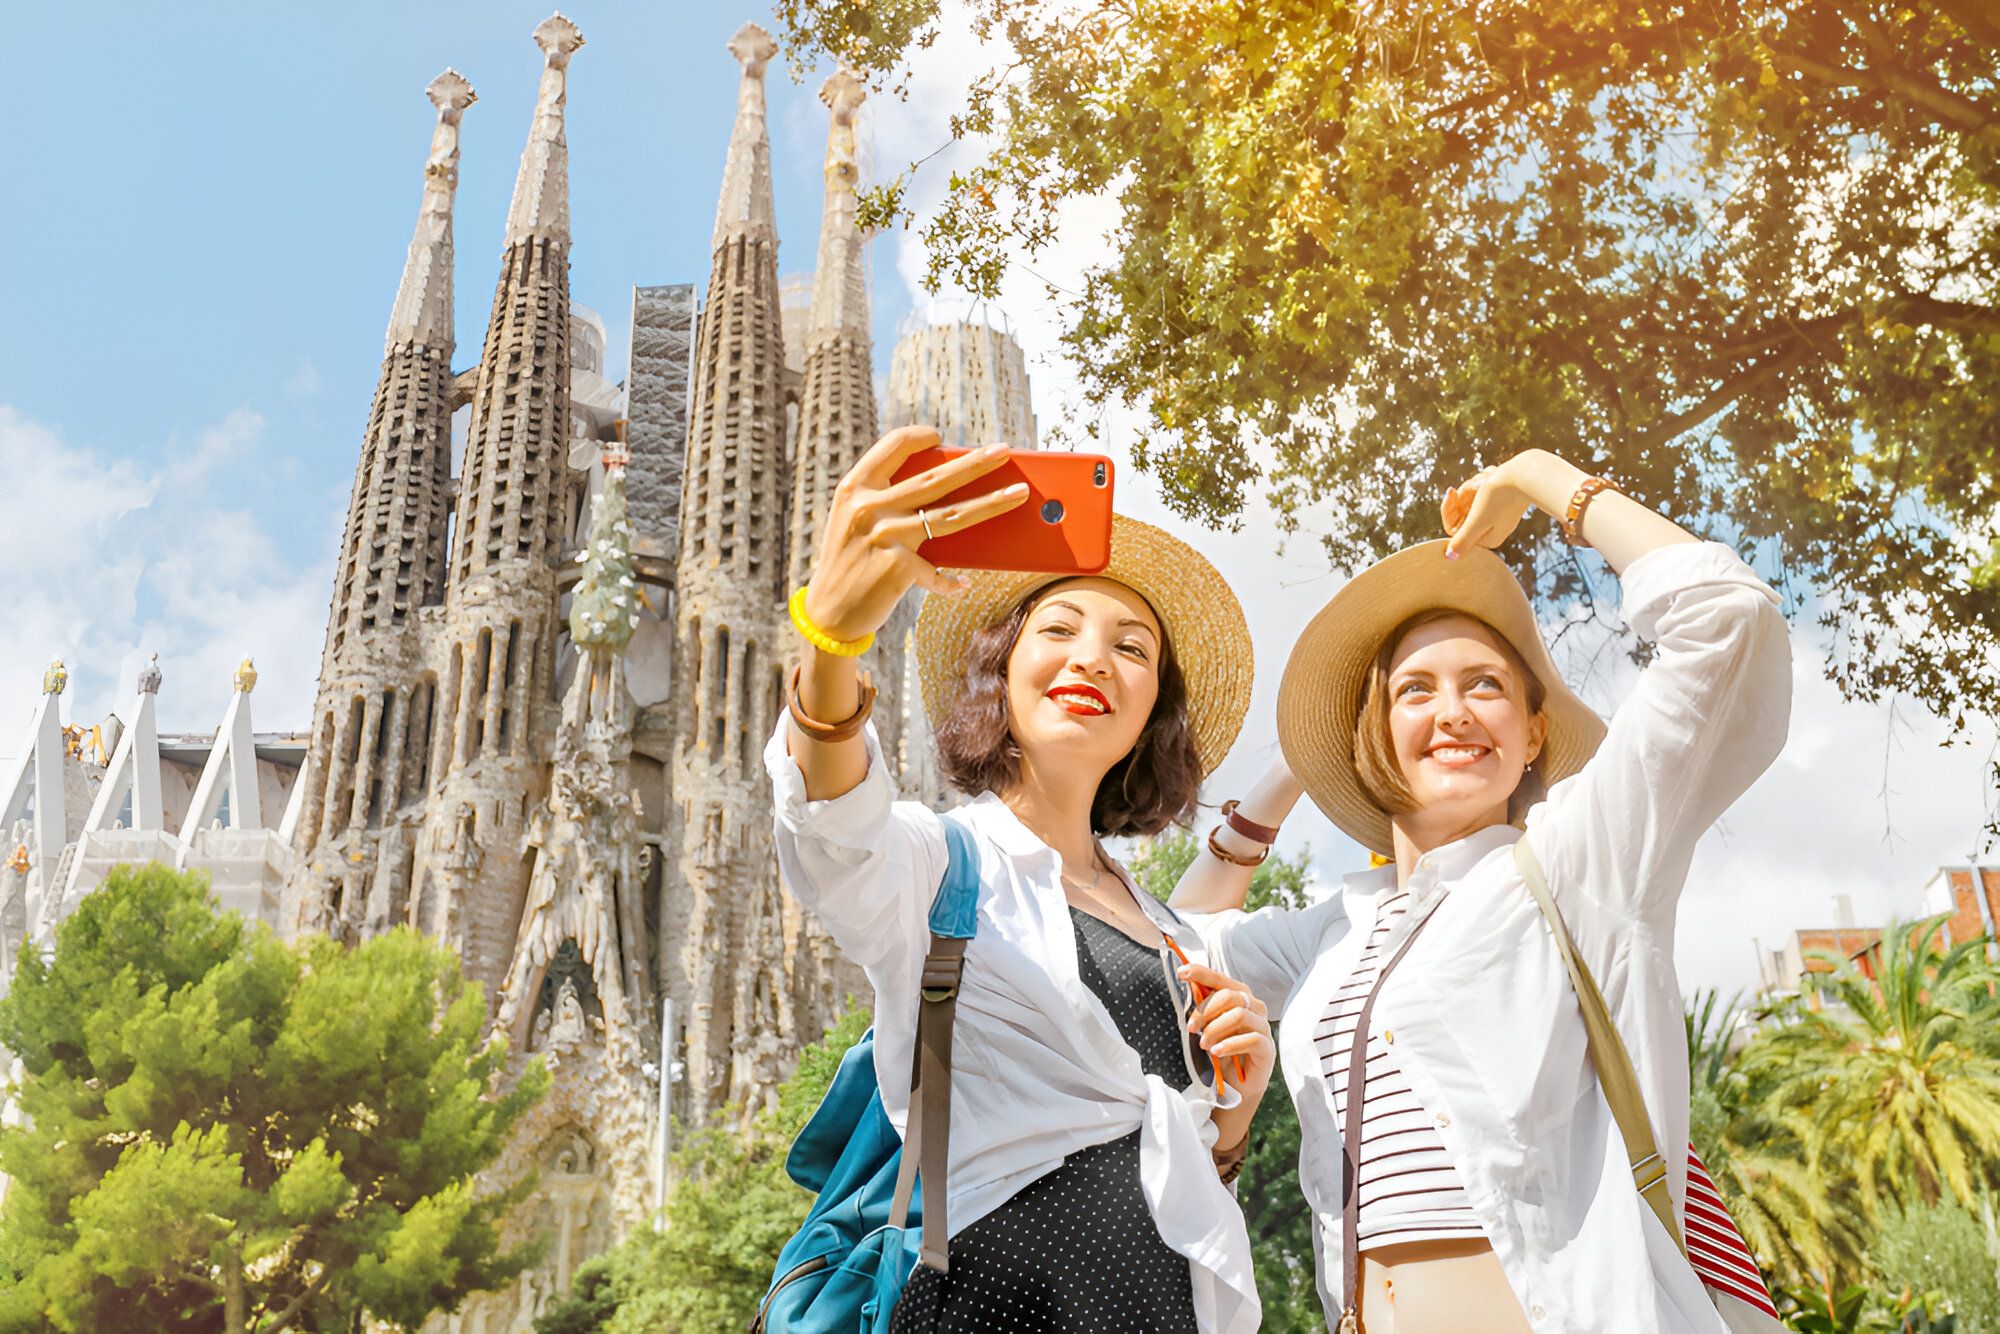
<point>1274,1209</point>
<point>1742,255</point>
<point>228,1133</point>
<point>1942,1248</point>
<point>1852,1132</point>
<point>1898,1067</point>
<point>1801,1219</point>
<point>733,1209</point>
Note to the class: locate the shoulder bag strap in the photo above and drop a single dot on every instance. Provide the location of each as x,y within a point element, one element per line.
<point>1615,1074</point>
<point>927,1133</point>
<point>1350,1134</point>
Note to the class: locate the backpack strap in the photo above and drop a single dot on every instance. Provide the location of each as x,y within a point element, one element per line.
<point>1615,1074</point>
<point>927,1133</point>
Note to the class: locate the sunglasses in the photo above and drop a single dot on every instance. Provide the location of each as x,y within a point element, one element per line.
<point>1201,995</point>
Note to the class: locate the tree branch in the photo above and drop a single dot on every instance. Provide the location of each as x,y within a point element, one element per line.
<point>1726,393</point>
<point>307,1293</point>
<point>1957,316</point>
<point>1952,108</point>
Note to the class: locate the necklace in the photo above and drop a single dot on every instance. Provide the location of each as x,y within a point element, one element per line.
<point>1096,876</point>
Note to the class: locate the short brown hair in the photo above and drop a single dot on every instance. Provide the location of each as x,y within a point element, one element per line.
<point>1375,762</point>
<point>1153,786</point>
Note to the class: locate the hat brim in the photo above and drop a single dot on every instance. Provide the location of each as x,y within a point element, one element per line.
<point>1319,697</point>
<point>1203,621</point>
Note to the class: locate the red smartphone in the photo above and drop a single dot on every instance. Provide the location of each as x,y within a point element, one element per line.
<point>1063,527</point>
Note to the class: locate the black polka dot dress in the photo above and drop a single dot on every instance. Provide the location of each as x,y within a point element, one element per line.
<point>1078,1249</point>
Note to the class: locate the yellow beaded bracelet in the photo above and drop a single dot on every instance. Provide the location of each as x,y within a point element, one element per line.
<point>820,639</point>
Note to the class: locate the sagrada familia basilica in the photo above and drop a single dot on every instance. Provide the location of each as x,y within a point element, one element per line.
<point>548,678</point>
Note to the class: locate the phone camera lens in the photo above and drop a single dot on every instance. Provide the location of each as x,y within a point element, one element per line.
<point>1052,511</point>
<point>1098,476</point>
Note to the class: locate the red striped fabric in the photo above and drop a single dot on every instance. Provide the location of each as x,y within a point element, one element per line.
<point>1716,1248</point>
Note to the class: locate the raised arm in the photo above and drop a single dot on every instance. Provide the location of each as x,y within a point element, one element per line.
<point>1211,884</point>
<point>1483,511</point>
<point>867,560</point>
<point>1707,716</point>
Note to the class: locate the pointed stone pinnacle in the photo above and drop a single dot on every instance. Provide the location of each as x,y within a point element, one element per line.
<point>558,38</point>
<point>843,94</point>
<point>753,47</point>
<point>451,93</point>
<point>541,190</point>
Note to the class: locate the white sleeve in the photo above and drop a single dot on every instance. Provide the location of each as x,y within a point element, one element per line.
<point>1269,950</point>
<point>1707,717</point>
<point>866,865</point>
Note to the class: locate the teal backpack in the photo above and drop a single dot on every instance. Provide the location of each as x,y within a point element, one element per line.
<point>842,1272</point>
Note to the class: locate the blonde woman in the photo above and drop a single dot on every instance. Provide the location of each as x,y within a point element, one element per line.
<point>1088,1133</point>
<point>1461,1155</point>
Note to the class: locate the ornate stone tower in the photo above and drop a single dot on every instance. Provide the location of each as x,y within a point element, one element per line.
<point>731,572</point>
<point>495,655</point>
<point>967,378</point>
<point>836,425</point>
<point>372,724</point>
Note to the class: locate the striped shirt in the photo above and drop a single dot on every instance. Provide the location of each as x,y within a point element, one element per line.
<point>1409,1189</point>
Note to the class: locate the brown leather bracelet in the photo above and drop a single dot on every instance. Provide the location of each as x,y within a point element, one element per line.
<point>1244,825</point>
<point>1579,501</point>
<point>1226,855</point>
<point>847,728</point>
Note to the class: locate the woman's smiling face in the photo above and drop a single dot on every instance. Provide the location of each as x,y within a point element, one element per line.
<point>1083,675</point>
<point>1460,723</point>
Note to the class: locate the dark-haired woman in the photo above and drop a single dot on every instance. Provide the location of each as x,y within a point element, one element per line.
<point>1088,1132</point>
<point>1457,1143</point>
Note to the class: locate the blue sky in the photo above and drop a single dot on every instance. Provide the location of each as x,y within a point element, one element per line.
<point>210,213</point>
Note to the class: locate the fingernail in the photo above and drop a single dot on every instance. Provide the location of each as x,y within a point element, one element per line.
<point>1449,554</point>
<point>1018,489</point>
<point>992,451</point>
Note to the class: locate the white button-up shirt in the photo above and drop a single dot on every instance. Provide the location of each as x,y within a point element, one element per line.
<point>1487,1027</point>
<point>1039,1070</point>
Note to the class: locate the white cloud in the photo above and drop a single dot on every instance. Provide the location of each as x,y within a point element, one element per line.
<point>1817,825</point>
<point>108,561</point>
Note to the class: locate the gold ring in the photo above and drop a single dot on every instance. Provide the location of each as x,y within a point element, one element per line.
<point>925,520</point>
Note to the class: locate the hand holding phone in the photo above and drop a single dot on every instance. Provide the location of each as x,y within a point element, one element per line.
<point>1063,527</point>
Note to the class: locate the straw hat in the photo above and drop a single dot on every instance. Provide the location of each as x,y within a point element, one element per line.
<point>1203,621</point>
<point>1320,696</point>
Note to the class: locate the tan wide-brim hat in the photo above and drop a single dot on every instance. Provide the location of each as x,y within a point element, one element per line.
<point>1203,620</point>
<point>1319,698</point>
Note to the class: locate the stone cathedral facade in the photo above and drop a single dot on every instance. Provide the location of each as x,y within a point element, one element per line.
<point>550,670</point>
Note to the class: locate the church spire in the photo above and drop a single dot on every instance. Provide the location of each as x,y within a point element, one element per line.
<point>745,207</point>
<point>541,191</point>
<point>495,648</point>
<point>422,313</point>
<point>837,391</point>
<point>370,728</point>
<point>729,639</point>
<point>840,281</point>
<point>512,488</point>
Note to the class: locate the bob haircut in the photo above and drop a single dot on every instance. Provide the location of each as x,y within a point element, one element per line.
<point>1153,786</point>
<point>1375,762</point>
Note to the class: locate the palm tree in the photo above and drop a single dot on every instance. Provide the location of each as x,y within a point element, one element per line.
<point>1897,1073</point>
<point>1805,1229</point>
